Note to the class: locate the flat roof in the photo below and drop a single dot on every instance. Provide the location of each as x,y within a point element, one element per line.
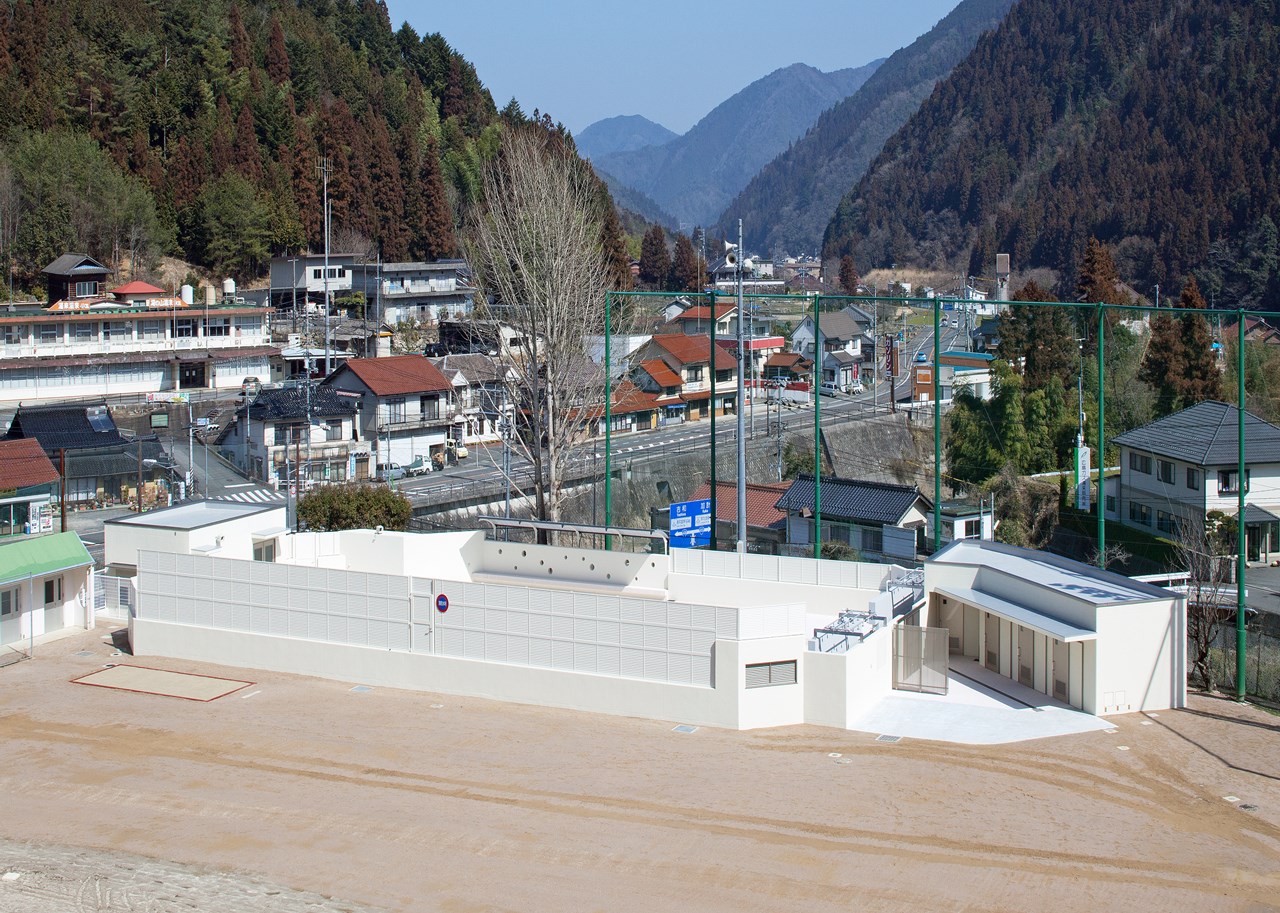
<point>1072,578</point>
<point>195,514</point>
<point>1028,618</point>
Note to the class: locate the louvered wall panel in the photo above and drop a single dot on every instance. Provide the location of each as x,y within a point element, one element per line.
<point>518,622</point>
<point>631,635</point>
<point>562,627</point>
<point>727,623</point>
<point>221,614</point>
<point>495,647</point>
<point>241,618</point>
<point>655,637</point>
<point>584,657</point>
<point>631,609</point>
<point>631,663</point>
<point>473,644</point>
<point>608,607</point>
<point>421,586</point>
<point>679,615</point>
<point>203,612</point>
<point>398,637</point>
<point>539,651</point>
<point>700,670</point>
<point>655,665</point>
<point>584,630</point>
<point>680,668</point>
<point>655,613</point>
<point>680,639</point>
<point>338,629</point>
<point>704,617</point>
<point>358,630</point>
<point>539,601</point>
<point>561,655</point>
<point>449,643</point>
<point>518,650</point>
<point>296,624</point>
<point>607,632</point>
<point>608,661</point>
<point>540,625</point>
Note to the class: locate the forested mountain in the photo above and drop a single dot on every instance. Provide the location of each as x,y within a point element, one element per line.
<point>624,133</point>
<point>636,203</point>
<point>694,176</point>
<point>1149,124</point>
<point>140,127</point>
<point>789,203</point>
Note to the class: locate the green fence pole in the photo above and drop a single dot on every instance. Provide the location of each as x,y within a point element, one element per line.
<point>1241,643</point>
<point>1102,441</point>
<point>715,518</point>
<point>937,424</point>
<point>817,430</point>
<point>608,417</point>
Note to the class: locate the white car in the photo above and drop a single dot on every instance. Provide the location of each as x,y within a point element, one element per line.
<point>827,388</point>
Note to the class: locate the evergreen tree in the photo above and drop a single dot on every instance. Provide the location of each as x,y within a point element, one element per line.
<point>1098,280</point>
<point>849,278</point>
<point>435,239</point>
<point>220,151</point>
<point>655,262</point>
<point>1163,362</point>
<point>686,271</point>
<point>241,50</point>
<point>1199,379</point>
<point>613,241</point>
<point>246,158</point>
<point>277,55</point>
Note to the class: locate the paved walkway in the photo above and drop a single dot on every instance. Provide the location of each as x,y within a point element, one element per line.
<point>979,708</point>
<point>40,878</point>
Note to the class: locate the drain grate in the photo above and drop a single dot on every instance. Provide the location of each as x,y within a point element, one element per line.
<point>86,653</point>
<point>361,689</point>
<point>1248,807</point>
<point>888,738</point>
<point>685,729</point>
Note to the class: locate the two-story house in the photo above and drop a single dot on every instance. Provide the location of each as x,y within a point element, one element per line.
<point>653,377</point>
<point>841,343</point>
<point>423,291</point>
<point>300,282</point>
<point>136,339</point>
<point>406,406</point>
<point>690,359</point>
<point>1178,468</point>
<point>299,431</point>
<point>482,395</point>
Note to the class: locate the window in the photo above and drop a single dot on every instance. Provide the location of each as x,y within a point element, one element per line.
<point>1193,479</point>
<point>116,329</point>
<point>249,325</point>
<point>1227,481</point>
<point>317,274</point>
<point>86,289</point>
<point>620,422</point>
<point>82,332</point>
<point>395,410</point>
<point>280,435</point>
<point>429,406</point>
<point>1140,462</point>
<point>334,431</point>
<point>1164,521</point>
<point>53,591</point>
<point>763,675</point>
<point>1164,471</point>
<point>184,328</point>
<point>8,603</point>
<point>1111,504</point>
<point>13,335</point>
<point>51,332</point>
<point>153,329</point>
<point>1139,513</point>
<point>264,551</point>
<point>695,374</point>
<point>217,326</point>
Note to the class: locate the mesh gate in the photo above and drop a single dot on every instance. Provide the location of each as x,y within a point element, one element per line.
<point>920,659</point>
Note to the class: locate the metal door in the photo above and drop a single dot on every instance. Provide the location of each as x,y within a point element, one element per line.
<point>920,659</point>
<point>1026,657</point>
<point>991,649</point>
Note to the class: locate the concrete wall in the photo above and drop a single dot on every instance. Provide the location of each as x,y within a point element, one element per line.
<point>1141,652</point>
<point>123,541</point>
<point>841,687</point>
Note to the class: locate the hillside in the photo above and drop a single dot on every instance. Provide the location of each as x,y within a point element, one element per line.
<point>147,127</point>
<point>624,133</point>
<point>789,203</point>
<point>695,175</point>
<point>1150,125</point>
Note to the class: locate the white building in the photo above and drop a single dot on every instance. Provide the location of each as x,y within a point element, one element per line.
<point>702,637</point>
<point>430,291</point>
<point>46,584</point>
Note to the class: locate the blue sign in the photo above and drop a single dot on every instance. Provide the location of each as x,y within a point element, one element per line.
<point>948,305</point>
<point>442,603</point>
<point>690,523</point>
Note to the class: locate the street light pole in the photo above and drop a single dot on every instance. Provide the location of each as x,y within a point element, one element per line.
<point>742,446</point>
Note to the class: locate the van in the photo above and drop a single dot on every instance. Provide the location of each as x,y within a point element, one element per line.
<point>390,472</point>
<point>828,388</point>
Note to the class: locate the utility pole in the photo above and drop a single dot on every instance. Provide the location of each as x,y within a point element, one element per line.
<point>324,169</point>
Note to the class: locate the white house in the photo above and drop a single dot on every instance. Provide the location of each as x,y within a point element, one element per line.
<point>419,290</point>
<point>875,518</point>
<point>1178,468</point>
<point>844,344</point>
<point>46,584</point>
<point>302,279</point>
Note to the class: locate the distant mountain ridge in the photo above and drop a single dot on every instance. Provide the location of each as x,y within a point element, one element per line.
<point>624,133</point>
<point>695,175</point>
<point>1150,126</point>
<point>788,204</point>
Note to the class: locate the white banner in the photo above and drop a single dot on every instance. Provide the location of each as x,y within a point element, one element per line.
<point>1083,488</point>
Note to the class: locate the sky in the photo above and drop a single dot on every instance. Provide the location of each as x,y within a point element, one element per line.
<point>671,61</point>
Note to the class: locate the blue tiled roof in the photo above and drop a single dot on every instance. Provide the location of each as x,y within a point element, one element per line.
<point>853,499</point>
<point>1207,434</point>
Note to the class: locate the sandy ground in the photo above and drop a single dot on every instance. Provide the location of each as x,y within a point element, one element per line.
<point>413,802</point>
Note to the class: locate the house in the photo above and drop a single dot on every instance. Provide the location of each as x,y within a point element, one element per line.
<point>766,522</point>
<point>1178,468</point>
<point>621,346</point>
<point>653,377</point>
<point>845,344</point>
<point>986,338</point>
<point>28,482</point>
<point>406,406</point>
<point>690,359</point>
<point>481,393</point>
<point>634,409</point>
<point>483,337</point>
<point>102,466</point>
<point>878,519</point>
<point>788,366</point>
<point>298,283</point>
<point>300,431</point>
<point>420,290</point>
<point>696,321</point>
<point>136,339</point>
<point>46,585</point>
<point>957,370</point>
<point>961,520</point>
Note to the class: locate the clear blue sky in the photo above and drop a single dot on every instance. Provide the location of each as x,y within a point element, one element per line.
<point>584,60</point>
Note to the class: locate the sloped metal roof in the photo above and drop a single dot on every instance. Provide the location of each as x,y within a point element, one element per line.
<point>1207,434</point>
<point>854,499</point>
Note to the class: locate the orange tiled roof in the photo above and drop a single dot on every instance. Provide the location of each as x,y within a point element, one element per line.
<point>658,370</point>
<point>694,350</point>
<point>398,374</point>
<point>762,512</point>
<point>23,463</point>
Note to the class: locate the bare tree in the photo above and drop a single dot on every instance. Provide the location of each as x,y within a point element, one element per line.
<point>534,243</point>
<point>1204,551</point>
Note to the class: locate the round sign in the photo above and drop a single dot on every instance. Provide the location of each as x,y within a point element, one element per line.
<point>442,603</point>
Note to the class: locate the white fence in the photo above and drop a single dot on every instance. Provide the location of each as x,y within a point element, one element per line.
<point>782,569</point>
<point>114,597</point>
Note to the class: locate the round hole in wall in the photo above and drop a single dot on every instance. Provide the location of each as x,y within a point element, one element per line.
<point>551,570</point>
<point>524,554</point>
<point>608,576</point>
<point>627,562</point>
<point>541,563</point>
<point>593,567</point>
<point>499,551</point>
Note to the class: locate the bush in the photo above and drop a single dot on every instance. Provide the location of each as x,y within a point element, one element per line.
<point>335,507</point>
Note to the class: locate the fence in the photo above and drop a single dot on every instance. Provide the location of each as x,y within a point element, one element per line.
<point>114,597</point>
<point>1261,666</point>
<point>920,657</point>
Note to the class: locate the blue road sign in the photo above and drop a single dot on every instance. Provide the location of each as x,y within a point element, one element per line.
<point>442,603</point>
<point>691,523</point>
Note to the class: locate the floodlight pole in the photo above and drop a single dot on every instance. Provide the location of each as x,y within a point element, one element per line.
<point>1102,441</point>
<point>937,424</point>
<point>608,422</point>
<point>1241,640</point>
<point>739,414</point>
<point>711,304</point>
<point>817,427</point>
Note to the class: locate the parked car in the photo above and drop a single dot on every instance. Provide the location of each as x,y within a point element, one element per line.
<point>390,472</point>
<point>921,358</point>
<point>457,448</point>
<point>828,388</point>
<point>250,387</point>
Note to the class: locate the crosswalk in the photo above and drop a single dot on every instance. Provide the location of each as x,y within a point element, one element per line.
<point>254,496</point>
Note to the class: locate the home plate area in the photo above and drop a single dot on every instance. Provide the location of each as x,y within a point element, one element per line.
<point>143,680</point>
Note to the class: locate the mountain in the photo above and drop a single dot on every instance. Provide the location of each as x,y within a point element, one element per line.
<point>138,128</point>
<point>788,204</point>
<point>1149,125</point>
<point>624,133</point>
<point>637,203</point>
<point>696,174</point>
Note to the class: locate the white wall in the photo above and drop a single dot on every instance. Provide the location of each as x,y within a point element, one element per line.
<point>1138,652</point>
<point>122,541</point>
<point>841,687</point>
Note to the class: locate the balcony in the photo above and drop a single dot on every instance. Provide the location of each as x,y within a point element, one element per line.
<point>422,287</point>
<point>445,416</point>
<point>36,348</point>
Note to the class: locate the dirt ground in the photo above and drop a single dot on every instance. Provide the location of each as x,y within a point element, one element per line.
<point>419,802</point>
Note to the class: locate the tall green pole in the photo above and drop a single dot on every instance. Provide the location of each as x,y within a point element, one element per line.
<point>608,415</point>
<point>711,305</point>
<point>1241,643</point>
<point>1102,441</point>
<point>937,424</point>
<point>817,429</point>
